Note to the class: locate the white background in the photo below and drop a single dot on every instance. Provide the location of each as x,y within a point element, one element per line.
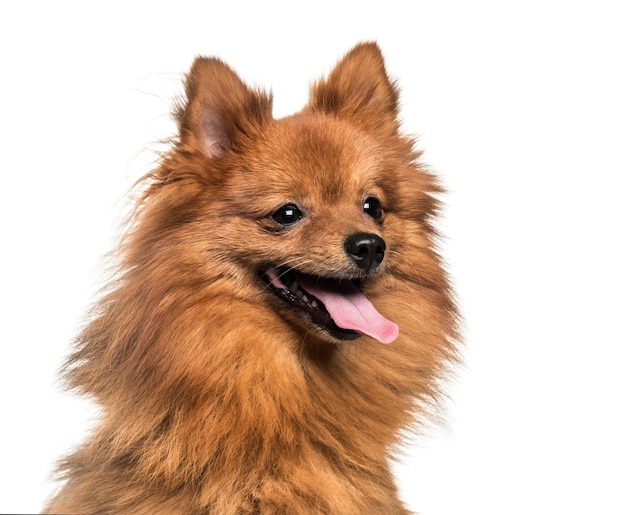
<point>521,110</point>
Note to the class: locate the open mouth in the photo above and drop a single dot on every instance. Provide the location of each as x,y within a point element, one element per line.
<point>339,307</point>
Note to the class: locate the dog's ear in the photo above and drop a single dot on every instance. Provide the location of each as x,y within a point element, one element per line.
<point>359,89</point>
<point>220,110</point>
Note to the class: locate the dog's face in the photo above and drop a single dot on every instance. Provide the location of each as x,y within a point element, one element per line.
<point>314,210</point>
<point>312,200</point>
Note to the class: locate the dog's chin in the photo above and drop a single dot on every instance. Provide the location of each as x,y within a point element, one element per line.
<point>286,284</point>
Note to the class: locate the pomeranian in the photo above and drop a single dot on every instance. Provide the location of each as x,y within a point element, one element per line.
<point>280,315</point>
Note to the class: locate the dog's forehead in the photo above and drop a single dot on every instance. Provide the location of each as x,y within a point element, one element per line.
<point>315,161</point>
<point>326,152</point>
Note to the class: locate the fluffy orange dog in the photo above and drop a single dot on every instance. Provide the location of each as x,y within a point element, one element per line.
<point>279,316</point>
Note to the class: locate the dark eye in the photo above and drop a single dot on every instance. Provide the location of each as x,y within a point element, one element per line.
<point>287,215</point>
<point>371,206</point>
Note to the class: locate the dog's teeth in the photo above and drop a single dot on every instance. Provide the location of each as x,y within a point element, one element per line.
<point>294,287</point>
<point>305,298</point>
<point>314,303</point>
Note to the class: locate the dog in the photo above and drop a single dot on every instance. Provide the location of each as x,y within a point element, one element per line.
<point>280,314</point>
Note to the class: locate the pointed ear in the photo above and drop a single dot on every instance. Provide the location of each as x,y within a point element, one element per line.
<point>359,89</point>
<point>220,110</point>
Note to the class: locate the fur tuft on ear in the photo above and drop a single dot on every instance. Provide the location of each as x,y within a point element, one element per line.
<point>220,109</point>
<point>359,89</point>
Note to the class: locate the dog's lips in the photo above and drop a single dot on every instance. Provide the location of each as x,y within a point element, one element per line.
<point>305,302</point>
<point>338,306</point>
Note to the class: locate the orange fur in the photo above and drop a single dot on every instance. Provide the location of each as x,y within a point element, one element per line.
<point>220,397</point>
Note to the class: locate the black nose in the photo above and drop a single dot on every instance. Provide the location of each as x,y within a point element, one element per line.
<point>366,250</point>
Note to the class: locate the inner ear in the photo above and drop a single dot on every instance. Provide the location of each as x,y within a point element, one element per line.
<point>213,139</point>
<point>220,109</point>
<point>358,88</point>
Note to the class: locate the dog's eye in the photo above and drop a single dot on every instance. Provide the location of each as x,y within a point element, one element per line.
<point>287,215</point>
<point>371,206</point>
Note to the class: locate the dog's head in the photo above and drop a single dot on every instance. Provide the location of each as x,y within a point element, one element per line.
<point>318,214</point>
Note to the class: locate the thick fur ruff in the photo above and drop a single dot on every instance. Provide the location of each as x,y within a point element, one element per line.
<point>219,396</point>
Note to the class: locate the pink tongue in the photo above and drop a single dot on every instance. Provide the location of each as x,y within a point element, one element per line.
<point>350,309</point>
